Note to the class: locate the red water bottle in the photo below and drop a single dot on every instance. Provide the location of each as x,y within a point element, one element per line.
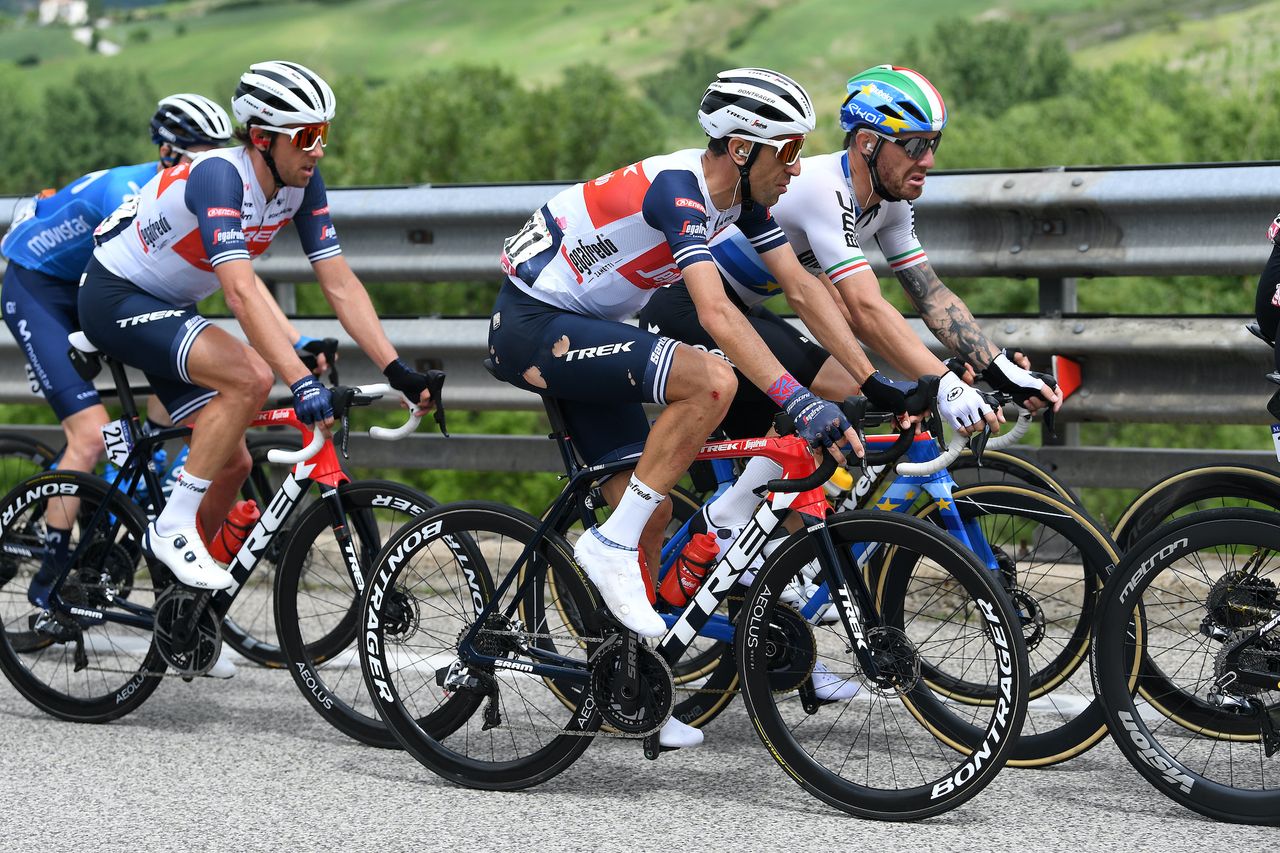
<point>231,535</point>
<point>684,578</point>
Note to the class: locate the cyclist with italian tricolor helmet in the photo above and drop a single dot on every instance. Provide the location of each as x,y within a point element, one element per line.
<point>893,119</point>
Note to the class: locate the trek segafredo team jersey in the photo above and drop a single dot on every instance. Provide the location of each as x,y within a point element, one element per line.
<point>824,223</point>
<point>193,217</point>
<point>601,248</point>
<point>54,235</point>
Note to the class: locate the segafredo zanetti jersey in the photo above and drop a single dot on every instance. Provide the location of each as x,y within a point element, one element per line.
<point>600,248</point>
<point>827,228</point>
<point>193,217</point>
<point>54,234</point>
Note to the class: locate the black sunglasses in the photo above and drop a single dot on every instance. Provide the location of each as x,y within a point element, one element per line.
<point>914,146</point>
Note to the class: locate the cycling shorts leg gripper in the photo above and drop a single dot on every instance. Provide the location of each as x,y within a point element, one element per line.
<point>41,311</point>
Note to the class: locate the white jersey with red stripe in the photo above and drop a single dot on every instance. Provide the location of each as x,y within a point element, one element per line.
<point>600,248</point>
<point>822,219</point>
<point>190,218</point>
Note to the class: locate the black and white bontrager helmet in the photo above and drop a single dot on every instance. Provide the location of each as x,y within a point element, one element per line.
<point>186,120</point>
<point>755,103</point>
<point>279,94</point>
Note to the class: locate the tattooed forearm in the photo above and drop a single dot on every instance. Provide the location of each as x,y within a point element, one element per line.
<point>947,316</point>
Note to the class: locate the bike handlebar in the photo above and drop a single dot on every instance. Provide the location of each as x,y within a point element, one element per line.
<point>343,400</point>
<point>958,444</point>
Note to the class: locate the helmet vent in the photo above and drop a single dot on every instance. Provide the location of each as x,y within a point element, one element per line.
<point>911,108</point>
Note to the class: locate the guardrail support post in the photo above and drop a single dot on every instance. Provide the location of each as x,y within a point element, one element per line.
<point>1058,297</point>
<point>286,296</point>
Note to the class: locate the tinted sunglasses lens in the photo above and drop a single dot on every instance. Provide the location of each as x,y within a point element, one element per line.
<point>916,146</point>
<point>307,136</point>
<point>790,151</point>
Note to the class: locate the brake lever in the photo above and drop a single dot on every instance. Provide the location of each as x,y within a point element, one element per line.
<point>978,443</point>
<point>435,384</point>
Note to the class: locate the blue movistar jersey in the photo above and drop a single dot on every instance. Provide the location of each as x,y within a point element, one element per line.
<point>54,235</point>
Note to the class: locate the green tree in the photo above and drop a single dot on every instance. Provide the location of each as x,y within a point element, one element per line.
<point>990,66</point>
<point>96,121</point>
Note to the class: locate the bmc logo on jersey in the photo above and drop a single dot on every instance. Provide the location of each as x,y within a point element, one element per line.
<point>681,201</point>
<point>214,212</point>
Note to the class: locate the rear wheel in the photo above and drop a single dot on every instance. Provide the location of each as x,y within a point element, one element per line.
<point>1053,560</point>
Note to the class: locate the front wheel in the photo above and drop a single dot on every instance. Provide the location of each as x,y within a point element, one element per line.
<point>1207,587</point>
<point>866,753</point>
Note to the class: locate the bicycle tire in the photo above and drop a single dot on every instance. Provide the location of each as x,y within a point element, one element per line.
<point>1000,468</point>
<point>1216,770</point>
<point>943,779</point>
<point>22,456</point>
<point>122,663</point>
<point>1195,489</point>
<point>249,627</point>
<point>1058,559</point>
<point>317,607</point>
<point>490,537</point>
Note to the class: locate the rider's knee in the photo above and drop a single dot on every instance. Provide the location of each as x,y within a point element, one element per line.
<point>722,384</point>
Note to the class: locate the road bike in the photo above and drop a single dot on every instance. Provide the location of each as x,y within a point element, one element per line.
<point>118,622</point>
<point>489,656</point>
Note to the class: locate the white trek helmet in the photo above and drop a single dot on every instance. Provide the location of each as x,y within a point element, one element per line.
<point>279,93</point>
<point>755,102</point>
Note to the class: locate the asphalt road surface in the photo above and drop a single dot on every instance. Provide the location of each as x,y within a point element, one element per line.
<point>246,765</point>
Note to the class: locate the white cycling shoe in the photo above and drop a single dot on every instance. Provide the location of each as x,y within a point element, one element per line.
<point>186,557</point>
<point>616,574</point>
<point>677,735</point>
<point>830,687</point>
<point>222,667</point>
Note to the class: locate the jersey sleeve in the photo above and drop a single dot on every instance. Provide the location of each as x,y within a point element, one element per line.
<point>675,206</point>
<point>315,229</point>
<point>759,226</point>
<point>897,239</point>
<point>215,193</point>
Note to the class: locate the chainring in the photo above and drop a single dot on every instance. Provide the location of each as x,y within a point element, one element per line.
<point>790,649</point>
<point>657,688</point>
<point>200,652</point>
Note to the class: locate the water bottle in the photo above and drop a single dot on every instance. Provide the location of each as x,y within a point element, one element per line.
<point>226,543</point>
<point>684,578</point>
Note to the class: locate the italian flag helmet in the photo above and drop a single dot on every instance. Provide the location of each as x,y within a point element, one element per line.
<point>892,100</point>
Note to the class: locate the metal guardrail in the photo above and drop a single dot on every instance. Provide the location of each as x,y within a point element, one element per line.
<point>1053,224</point>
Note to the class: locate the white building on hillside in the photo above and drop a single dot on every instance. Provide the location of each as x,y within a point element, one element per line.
<point>70,12</point>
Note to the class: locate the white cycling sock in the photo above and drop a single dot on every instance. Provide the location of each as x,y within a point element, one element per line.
<point>180,512</point>
<point>736,506</point>
<point>632,513</point>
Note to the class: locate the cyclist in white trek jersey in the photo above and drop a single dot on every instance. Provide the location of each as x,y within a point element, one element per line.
<point>192,230</point>
<point>596,252</point>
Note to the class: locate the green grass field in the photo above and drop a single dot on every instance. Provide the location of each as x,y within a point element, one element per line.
<point>196,45</point>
